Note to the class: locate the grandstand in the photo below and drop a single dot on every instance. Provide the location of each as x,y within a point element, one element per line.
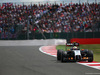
<point>49,20</point>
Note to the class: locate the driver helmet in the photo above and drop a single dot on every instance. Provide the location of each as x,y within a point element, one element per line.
<point>75,48</point>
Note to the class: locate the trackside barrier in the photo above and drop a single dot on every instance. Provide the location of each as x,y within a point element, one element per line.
<point>62,35</point>
<point>86,40</point>
<point>33,42</point>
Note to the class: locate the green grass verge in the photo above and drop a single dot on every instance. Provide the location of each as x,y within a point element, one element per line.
<point>94,47</point>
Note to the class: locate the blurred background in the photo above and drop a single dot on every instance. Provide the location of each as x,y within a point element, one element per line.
<point>49,19</point>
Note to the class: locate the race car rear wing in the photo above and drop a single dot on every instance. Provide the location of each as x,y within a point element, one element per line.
<point>72,44</point>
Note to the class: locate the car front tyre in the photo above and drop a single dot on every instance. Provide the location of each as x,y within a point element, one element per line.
<point>59,54</point>
<point>62,56</point>
<point>90,56</point>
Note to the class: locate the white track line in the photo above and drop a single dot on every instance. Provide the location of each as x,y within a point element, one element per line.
<point>89,63</point>
<point>95,67</point>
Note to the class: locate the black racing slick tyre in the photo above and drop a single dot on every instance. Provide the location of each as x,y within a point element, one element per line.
<point>90,59</point>
<point>62,56</point>
<point>90,56</point>
<point>59,54</point>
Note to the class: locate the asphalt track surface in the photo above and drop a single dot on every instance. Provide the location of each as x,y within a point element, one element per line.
<point>28,60</point>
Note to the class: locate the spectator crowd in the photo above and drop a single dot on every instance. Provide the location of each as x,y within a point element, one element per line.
<point>49,17</point>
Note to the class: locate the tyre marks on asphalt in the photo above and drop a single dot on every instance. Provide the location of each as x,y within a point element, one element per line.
<point>51,50</point>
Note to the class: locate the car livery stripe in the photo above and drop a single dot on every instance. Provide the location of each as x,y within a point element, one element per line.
<point>51,50</point>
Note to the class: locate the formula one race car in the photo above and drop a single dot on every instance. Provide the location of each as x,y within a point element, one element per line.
<point>75,54</point>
